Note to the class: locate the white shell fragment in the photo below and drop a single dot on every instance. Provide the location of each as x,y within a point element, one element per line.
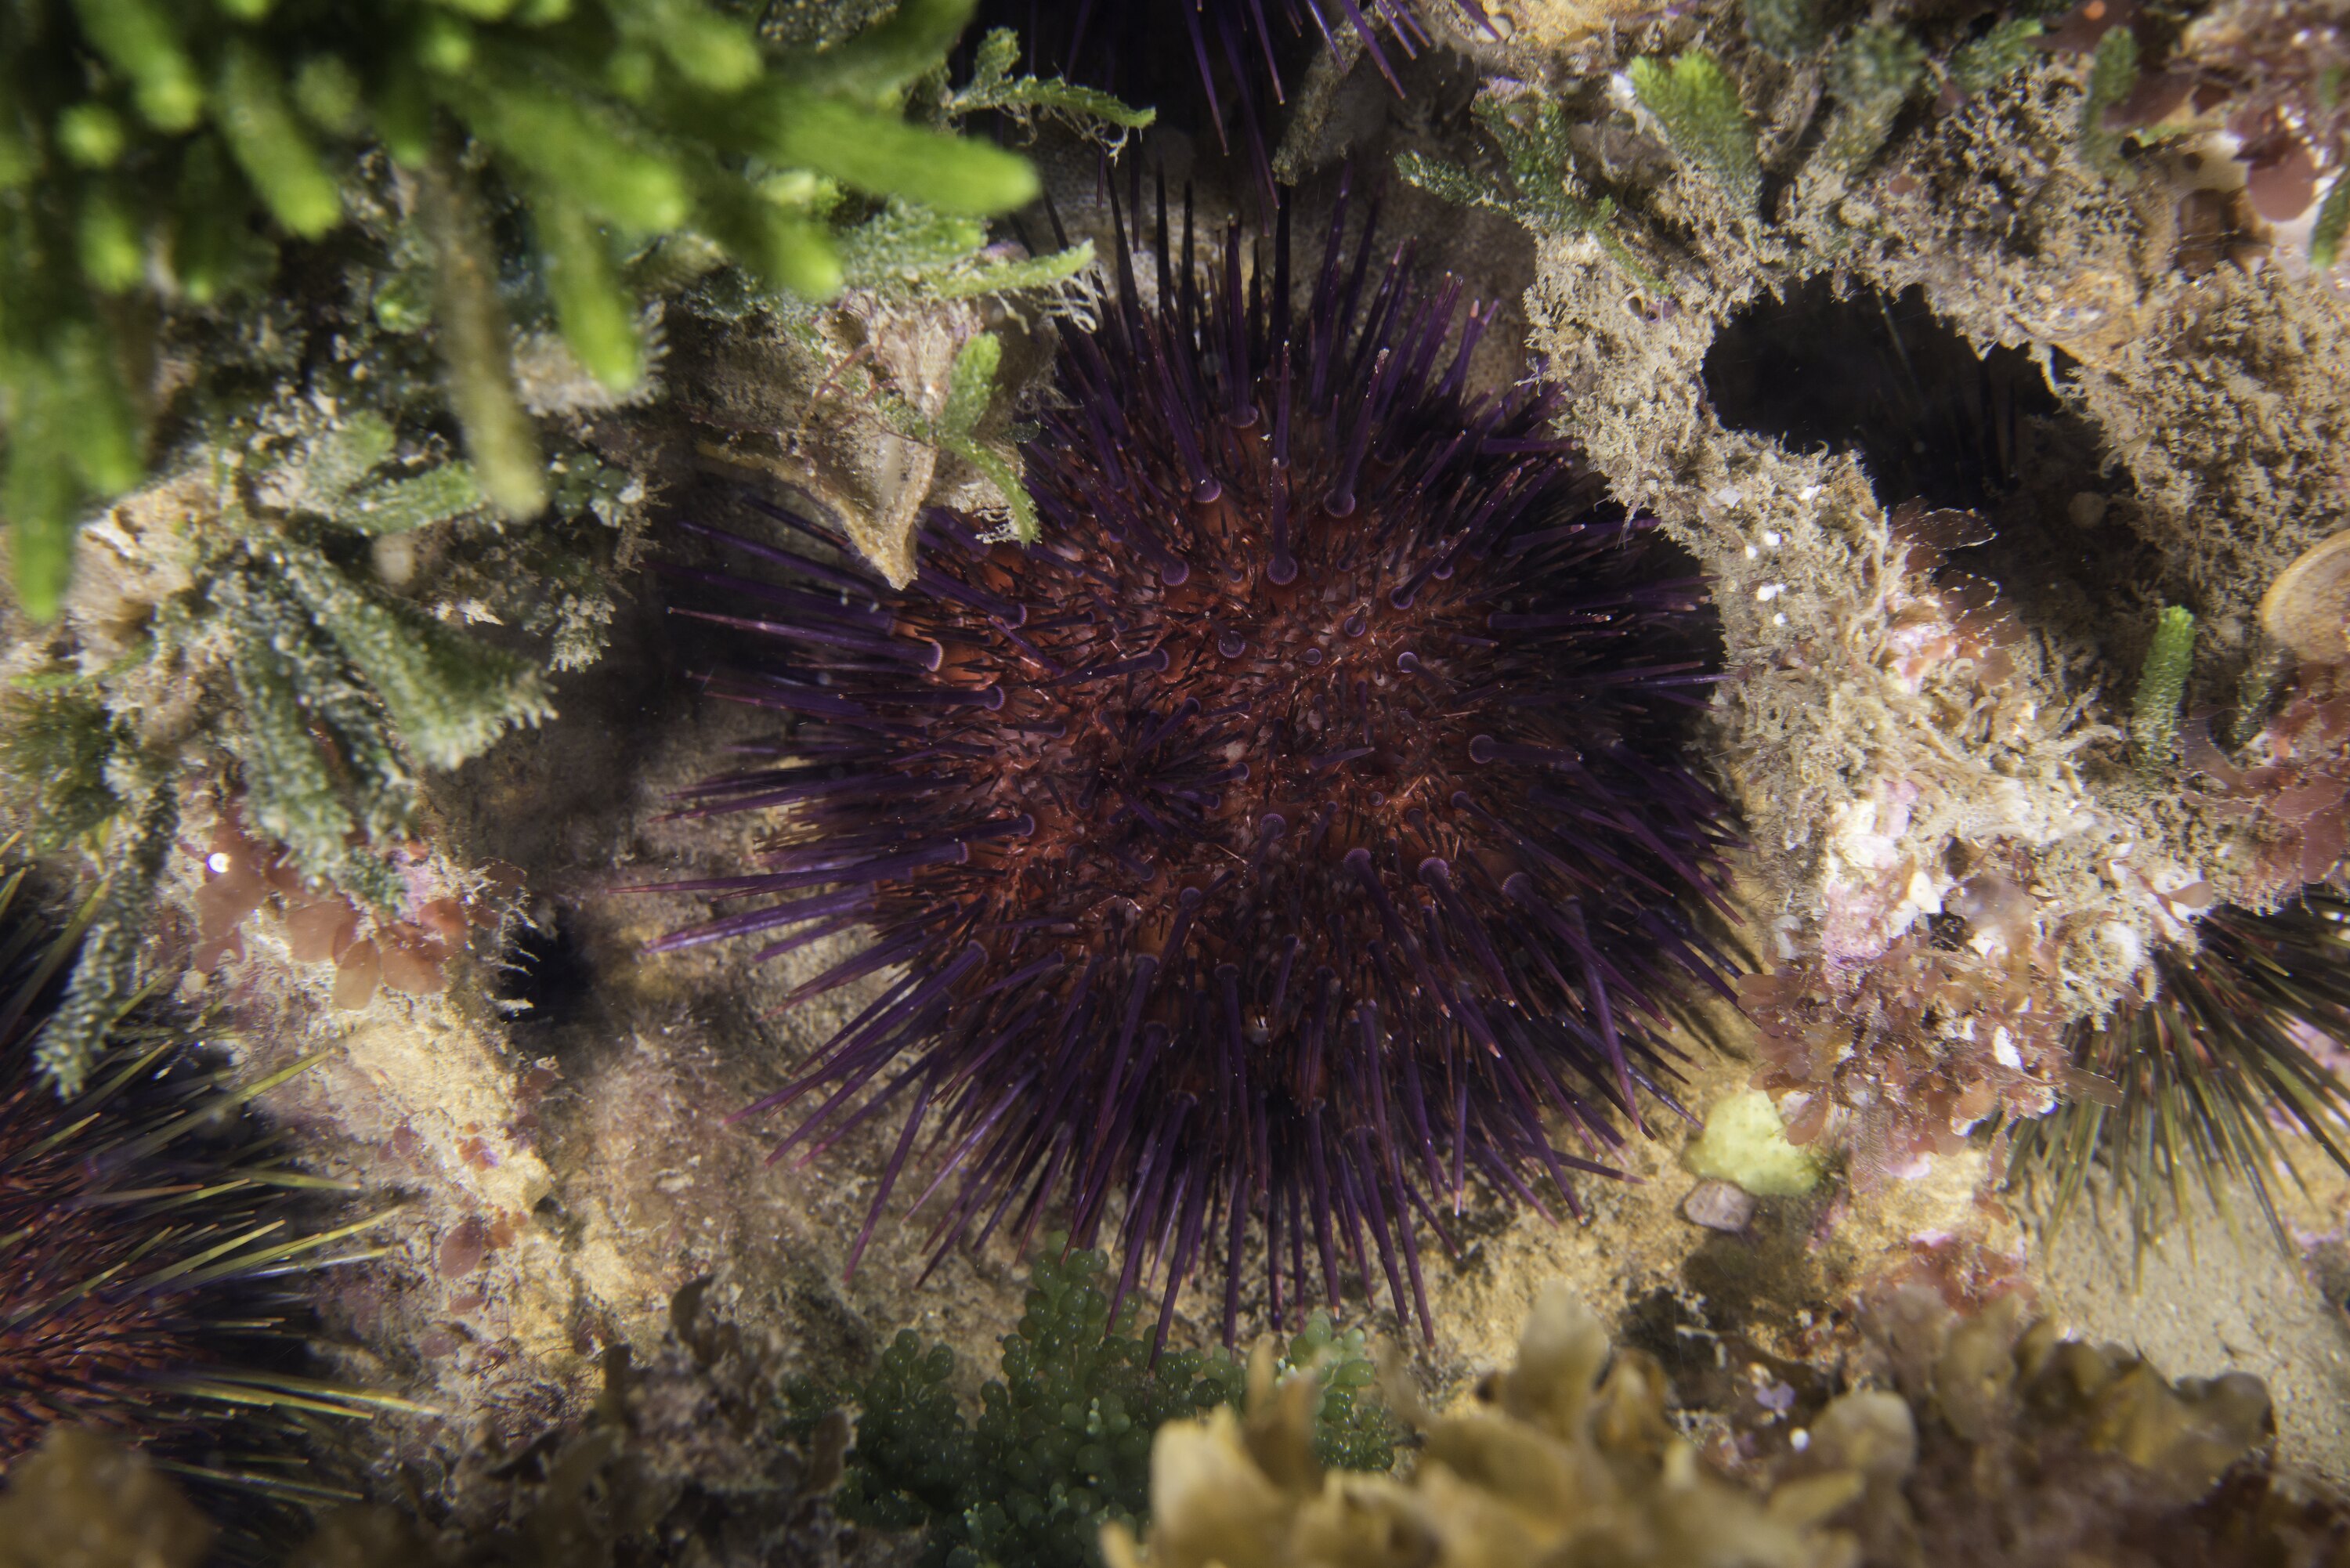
<point>1719,1206</point>
<point>2307,609</point>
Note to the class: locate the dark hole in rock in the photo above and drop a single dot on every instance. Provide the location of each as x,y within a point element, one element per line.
<point>547,970</point>
<point>1886,379</point>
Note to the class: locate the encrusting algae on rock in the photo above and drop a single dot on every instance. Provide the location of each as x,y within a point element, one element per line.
<point>1994,1444</point>
<point>1568,1458</point>
<point>1744,1141</point>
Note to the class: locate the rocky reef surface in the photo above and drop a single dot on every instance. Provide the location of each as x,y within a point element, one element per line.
<point>1985,359</point>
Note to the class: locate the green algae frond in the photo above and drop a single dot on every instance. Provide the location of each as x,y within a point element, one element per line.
<point>1696,102</point>
<point>2162,691</point>
<point>1062,1443</point>
<point>154,162</point>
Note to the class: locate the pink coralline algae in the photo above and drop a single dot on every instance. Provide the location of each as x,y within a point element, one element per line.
<point>2290,791</point>
<point>406,953</point>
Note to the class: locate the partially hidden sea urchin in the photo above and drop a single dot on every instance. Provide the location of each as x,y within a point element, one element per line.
<point>1110,39</point>
<point>1244,36</point>
<point>2207,1082</point>
<point>1282,840</point>
<point>146,1225</point>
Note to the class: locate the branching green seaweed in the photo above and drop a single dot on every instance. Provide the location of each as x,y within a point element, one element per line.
<point>254,618</point>
<point>1874,72</point>
<point>1062,1443</point>
<point>1696,102</point>
<point>54,747</point>
<point>156,159</point>
<point>1978,66</point>
<point>992,86</point>
<point>1787,29</point>
<point>1537,184</point>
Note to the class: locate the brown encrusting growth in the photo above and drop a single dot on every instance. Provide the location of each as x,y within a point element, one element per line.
<point>1995,1446</point>
<point>1919,1046</point>
<point>405,949</point>
<point>2288,791</point>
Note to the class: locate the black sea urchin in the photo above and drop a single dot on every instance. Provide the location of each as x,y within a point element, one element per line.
<point>2239,1050</point>
<point>141,1225</point>
<point>1281,839</point>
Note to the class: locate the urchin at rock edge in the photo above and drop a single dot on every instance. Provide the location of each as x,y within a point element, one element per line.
<point>1279,844</point>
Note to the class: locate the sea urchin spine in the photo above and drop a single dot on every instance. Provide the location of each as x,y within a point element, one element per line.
<point>1238,39</point>
<point>146,1225</point>
<point>1280,842</point>
<point>2213,1080</point>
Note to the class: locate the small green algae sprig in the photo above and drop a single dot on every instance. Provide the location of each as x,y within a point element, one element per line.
<point>1788,29</point>
<point>1874,72</point>
<point>1062,1442</point>
<point>156,159</point>
<point>1980,64</point>
<point>2162,691</point>
<point>1696,103</point>
<point>2112,72</point>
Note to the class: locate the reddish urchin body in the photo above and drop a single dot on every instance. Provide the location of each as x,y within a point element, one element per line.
<point>1278,845</point>
<point>141,1224</point>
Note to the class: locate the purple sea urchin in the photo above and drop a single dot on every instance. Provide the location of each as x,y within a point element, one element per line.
<point>2210,1081</point>
<point>1282,840</point>
<point>1236,48</point>
<point>1239,34</point>
<point>141,1225</point>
